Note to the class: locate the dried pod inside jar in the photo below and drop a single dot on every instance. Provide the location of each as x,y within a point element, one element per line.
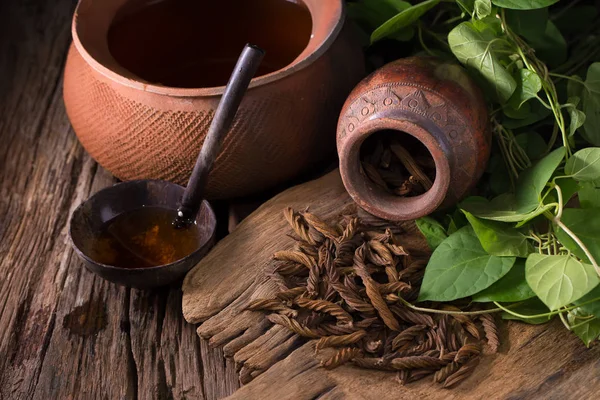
<point>413,137</point>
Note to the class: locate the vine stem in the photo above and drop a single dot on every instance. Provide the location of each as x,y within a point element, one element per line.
<point>564,321</point>
<point>587,321</point>
<point>542,71</point>
<point>549,314</point>
<point>560,201</point>
<point>561,76</point>
<point>582,246</point>
<point>434,311</point>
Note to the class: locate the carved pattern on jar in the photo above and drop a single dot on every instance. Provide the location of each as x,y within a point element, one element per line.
<point>407,97</point>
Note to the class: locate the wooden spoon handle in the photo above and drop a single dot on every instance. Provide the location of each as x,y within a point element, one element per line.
<point>241,76</point>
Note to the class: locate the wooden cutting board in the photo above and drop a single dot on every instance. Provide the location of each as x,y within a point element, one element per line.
<point>543,361</point>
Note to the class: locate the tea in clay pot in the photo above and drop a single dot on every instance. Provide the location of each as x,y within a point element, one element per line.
<point>143,79</point>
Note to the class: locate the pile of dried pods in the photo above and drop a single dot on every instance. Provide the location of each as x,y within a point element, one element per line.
<point>342,285</point>
<point>399,169</point>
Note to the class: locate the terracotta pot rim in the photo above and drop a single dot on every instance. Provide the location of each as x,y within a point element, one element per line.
<point>331,20</point>
<point>374,199</point>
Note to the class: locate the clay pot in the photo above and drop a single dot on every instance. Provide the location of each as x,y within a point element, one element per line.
<point>435,102</point>
<point>140,129</point>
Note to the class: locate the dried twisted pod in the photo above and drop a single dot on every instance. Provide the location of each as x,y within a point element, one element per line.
<point>271,305</point>
<point>296,256</point>
<point>441,375</point>
<point>373,291</point>
<point>290,268</point>
<point>463,373</point>
<point>342,340</point>
<point>407,336</point>
<point>320,226</point>
<point>298,225</point>
<point>417,362</point>
<point>293,326</point>
<point>341,357</point>
<point>291,294</point>
<point>325,307</point>
<point>467,351</point>
<point>491,331</point>
<point>373,363</point>
<point>413,317</point>
<point>393,287</point>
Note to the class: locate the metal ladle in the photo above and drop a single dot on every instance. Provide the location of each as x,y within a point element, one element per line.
<point>92,215</point>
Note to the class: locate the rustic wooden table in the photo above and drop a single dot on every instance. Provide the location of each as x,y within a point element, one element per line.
<point>67,334</point>
<point>64,332</point>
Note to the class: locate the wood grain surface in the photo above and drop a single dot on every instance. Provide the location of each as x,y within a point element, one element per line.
<point>534,362</point>
<point>65,333</point>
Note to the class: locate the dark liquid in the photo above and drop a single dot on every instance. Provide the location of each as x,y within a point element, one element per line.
<point>144,238</point>
<point>196,43</point>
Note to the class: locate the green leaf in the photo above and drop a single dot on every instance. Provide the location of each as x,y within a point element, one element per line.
<point>369,15</point>
<point>559,280</point>
<point>523,4</point>
<point>467,6</point>
<point>537,113</point>
<point>575,87</point>
<point>552,47</point>
<point>532,181</point>
<point>584,165</point>
<point>482,8</point>
<point>402,20</point>
<point>433,231</point>
<point>531,24</point>
<point>372,14</point>
<point>587,332</point>
<point>528,85</point>
<point>457,221</point>
<point>593,306</point>
<point>589,195</point>
<point>512,287</point>
<point>577,119</point>
<point>476,46</point>
<point>591,105</point>
<point>499,179</point>
<point>532,306</point>
<point>568,188</point>
<point>533,144</point>
<point>503,208</point>
<point>498,238</point>
<point>585,224</point>
<point>460,267</point>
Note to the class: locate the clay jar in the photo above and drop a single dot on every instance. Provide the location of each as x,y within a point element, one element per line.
<point>141,94</point>
<point>435,102</point>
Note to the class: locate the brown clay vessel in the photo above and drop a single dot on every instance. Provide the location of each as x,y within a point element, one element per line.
<point>435,102</point>
<point>141,105</point>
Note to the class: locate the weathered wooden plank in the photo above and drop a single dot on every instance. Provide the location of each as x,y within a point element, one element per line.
<point>89,352</point>
<point>42,173</point>
<point>65,332</point>
<point>180,349</point>
<point>223,376</point>
<point>536,362</point>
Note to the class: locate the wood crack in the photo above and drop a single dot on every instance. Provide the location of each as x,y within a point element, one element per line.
<point>324,393</point>
<point>132,366</point>
<point>45,345</point>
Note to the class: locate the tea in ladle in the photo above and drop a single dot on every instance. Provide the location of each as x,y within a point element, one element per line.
<point>149,233</point>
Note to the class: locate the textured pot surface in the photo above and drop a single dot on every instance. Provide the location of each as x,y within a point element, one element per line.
<point>140,130</point>
<point>432,100</point>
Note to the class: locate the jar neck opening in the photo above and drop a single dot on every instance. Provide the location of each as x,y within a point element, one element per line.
<point>367,190</point>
